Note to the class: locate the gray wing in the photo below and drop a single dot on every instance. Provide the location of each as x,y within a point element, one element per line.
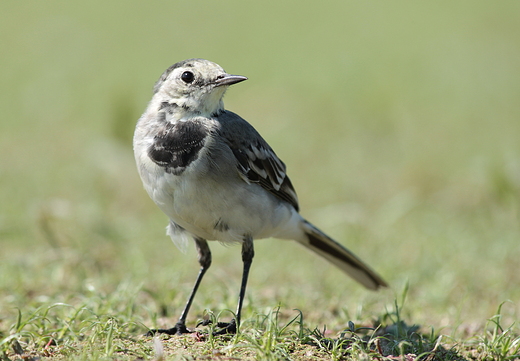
<point>256,161</point>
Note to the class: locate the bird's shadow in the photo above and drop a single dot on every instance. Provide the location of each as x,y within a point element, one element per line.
<point>397,340</point>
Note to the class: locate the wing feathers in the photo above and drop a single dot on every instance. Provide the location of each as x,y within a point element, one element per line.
<point>257,163</point>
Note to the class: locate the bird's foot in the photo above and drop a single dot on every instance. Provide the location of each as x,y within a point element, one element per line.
<point>223,328</point>
<point>178,329</point>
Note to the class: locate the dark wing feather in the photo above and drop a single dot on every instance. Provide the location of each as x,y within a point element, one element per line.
<point>256,161</point>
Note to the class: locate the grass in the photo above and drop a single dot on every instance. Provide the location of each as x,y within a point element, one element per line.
<point>399,125</point>
<point>62,331</point>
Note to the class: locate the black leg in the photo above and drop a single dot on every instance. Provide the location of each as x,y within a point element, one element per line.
<point>248,252</point>
<point>205,262</point>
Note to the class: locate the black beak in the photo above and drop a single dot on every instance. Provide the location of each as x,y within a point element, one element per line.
<point>229,79</point>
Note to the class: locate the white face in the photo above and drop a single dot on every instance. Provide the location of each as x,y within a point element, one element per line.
<point>193,86</point>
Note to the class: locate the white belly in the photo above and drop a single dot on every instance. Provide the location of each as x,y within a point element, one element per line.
<point>217,205</point>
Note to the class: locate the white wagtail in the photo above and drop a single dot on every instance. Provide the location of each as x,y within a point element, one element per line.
<point>216,178</point>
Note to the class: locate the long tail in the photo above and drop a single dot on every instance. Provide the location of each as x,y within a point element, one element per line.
<point>338,255</point>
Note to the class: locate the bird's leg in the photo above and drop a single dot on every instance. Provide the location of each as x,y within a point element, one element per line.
<point>205,262</point>
<point>248,253</point>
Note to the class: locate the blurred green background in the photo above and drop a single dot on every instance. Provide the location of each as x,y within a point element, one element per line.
<point>399,122</point>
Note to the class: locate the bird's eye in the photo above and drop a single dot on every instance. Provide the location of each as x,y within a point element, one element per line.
<point>187,77</point>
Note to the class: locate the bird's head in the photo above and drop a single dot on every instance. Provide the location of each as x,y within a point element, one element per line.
<point>195,85</point>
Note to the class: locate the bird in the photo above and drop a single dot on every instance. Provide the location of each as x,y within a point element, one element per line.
<point>217,179</point>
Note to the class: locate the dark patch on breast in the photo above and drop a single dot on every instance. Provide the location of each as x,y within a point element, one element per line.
<point>177,145</point>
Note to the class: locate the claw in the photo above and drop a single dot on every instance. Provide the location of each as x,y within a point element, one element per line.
<point>225,328</point>
<point>203,323</point>
<point>178,329</point>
